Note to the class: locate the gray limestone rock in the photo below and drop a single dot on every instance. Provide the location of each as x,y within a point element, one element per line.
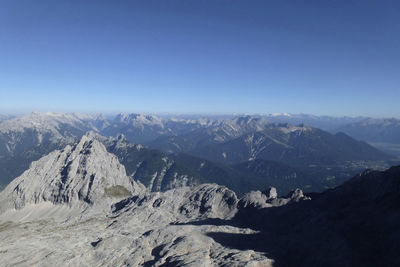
<point>83,175</point>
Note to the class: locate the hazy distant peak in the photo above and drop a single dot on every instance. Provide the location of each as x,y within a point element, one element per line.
<point>288,128</point>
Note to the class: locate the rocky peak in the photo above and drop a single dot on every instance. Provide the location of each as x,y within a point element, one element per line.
<point>84,174</point>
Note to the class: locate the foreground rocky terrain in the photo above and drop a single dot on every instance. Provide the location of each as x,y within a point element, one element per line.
<point>77,207</point>
<point>67,209</point>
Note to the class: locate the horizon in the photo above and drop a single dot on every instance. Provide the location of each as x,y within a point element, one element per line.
<point>180,57</point>
<point>188,114</point>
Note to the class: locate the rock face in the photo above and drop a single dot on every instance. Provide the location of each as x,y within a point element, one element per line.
<point>81,175</point>
<point>147,229</point>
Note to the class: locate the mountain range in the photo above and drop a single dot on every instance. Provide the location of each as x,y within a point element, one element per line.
<point>296,145</point>
<point>375,130</point>
<point>381,133</point>
<point>190,151</point>
<point>79,206</point>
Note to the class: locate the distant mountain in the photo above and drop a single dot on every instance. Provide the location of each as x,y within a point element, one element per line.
<point>374,130</point>
<point>228,141</point>
<point>23,132</point>
<point>160,172</point>
<point>139,128</point>
<point>5,117</point>
<point>383,134</point>
<point>327,123</point>
<point>295,145</point>
<point>254,175</point>
<point>214,133</point>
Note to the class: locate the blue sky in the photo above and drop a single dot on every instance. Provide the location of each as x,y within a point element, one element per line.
<point>187,56</point>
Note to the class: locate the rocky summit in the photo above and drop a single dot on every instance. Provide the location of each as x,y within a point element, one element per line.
<point>79,177</point>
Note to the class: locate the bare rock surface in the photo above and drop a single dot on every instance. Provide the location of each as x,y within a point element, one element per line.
<point>81,176</point>
<point>269,198</point>
<point>77,207</point>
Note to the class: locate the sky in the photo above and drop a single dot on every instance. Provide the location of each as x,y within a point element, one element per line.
<point>198,56</point>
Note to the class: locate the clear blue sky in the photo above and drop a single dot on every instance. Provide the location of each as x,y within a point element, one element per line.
<point>319,57</point>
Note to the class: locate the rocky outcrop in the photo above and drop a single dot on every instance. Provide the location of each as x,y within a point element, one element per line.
<point>269,198</point>
<point>185,203</point>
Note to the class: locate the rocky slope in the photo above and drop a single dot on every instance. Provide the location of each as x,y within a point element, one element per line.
<point>79,176</point>
<point>156,170</point>
<point>67,209</point>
